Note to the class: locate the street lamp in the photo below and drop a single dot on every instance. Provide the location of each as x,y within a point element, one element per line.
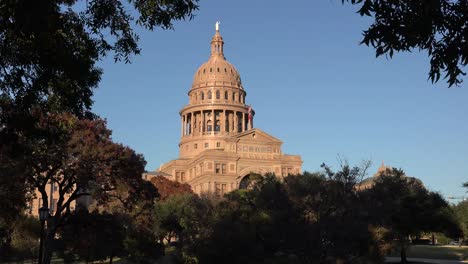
<point>43,215</point>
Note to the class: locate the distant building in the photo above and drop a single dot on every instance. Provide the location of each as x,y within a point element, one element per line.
<point>53,195</point>
<point>219,146</point>
<point>369,182</point>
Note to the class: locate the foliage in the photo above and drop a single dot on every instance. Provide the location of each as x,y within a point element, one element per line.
<point>24,239</point>
<point>439,27</point>
<point>49,49</point>
<point>49,52</point>
<point>92,236</point>
<point>167,188</point>
<point>402,205</point>
<point>79,157</point>
<point>300,220</point>
<point>461,211</point>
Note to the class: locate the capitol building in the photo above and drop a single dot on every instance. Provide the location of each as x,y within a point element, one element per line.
<point>219,146</point>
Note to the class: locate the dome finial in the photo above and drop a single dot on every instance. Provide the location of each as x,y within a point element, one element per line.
<point>217,43</point>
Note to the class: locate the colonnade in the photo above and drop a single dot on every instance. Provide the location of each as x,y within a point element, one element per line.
<point>211,122</point>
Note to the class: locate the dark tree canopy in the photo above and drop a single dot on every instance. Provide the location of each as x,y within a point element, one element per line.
<point>439,27</point>
<point>49,49</point>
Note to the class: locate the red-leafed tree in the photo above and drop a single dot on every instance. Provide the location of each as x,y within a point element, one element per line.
<point>167,188</point>
<point>80,158</point>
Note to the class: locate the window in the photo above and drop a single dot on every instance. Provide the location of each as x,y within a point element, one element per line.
<point>218,144</point>
<point>209,126</point>
<point>202,96</point>
<point>234,96</point>
<point>218,126</point>
<point>225,95</point>
<point>218,168</point>
<point>182,176</point>
<point>209,95</point>
<point>223,168</point>
<point>53,206</point>
<point>225,70</point>
<point>204,70</point>
<point>177,176</point>
<point>218,69</point>
<point>206,145</point>
<point>220,189</point>
<point>218,96</point>
<point>195,146</point>
<point>211,70</point>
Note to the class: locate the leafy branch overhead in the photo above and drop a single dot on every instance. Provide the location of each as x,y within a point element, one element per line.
<point>439,27</point>
<point>49,49</point>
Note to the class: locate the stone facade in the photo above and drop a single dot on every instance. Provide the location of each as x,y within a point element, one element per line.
<point>219,147</point>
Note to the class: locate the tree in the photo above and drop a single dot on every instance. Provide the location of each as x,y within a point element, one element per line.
<point>403,206</point>
<point>461,211</point>
<point>93,237</point>
<point>439,27</point>
<point>49,52</point>
<point>79,157</point>
<point>167,188</point>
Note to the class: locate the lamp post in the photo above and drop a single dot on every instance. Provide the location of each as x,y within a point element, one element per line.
<point>43,215</point>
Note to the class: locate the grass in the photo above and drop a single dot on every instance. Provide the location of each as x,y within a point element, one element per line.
<point>435,252</point>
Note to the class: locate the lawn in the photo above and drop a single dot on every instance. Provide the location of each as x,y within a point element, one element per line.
<point>436,252</point>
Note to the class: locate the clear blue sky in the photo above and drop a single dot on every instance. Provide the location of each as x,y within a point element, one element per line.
<point>310,83</point>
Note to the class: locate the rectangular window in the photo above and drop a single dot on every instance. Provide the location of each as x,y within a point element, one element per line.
<point>182,176</point>
<point>218,168</point>
<point>223,168</point>
<point>53,206</point>
<point>195,146</point>
<point>218,144</point>
<point>177,176</point>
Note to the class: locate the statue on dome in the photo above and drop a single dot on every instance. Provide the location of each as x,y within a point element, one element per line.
<point>217,25</point>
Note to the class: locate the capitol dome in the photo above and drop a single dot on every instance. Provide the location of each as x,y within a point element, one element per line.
<point>217,71</point>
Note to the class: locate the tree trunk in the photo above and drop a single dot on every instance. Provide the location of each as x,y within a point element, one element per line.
<point>403,252</point>
<point>48,244</point>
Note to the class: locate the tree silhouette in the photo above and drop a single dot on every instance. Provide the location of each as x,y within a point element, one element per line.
<point>439,27</point>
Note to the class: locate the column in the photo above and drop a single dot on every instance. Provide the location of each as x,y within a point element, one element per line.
<point>181,125</point>
<point>243,121</point>
<point>236,122</point>
<point>223,122</point>
<point>213,122</point>
<point>232,127</point>
<point>202,127</point>
<point>192,121</point>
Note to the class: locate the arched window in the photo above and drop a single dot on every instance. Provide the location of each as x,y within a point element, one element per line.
<point>211,70</point>
<point>218,69</point>
<point>234,97</point>
<point>218,96</point>
<point>202,95</point>
<point>217,126</point>
<point>204,70</point>
<point>209,95</point>
<point>225,95</point>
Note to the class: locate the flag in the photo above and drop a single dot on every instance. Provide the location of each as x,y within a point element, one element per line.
<point>251,113</point>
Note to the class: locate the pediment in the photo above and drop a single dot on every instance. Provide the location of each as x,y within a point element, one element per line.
<point>257,135</point>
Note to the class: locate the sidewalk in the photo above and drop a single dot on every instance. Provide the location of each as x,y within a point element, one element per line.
<point>441,261</point>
